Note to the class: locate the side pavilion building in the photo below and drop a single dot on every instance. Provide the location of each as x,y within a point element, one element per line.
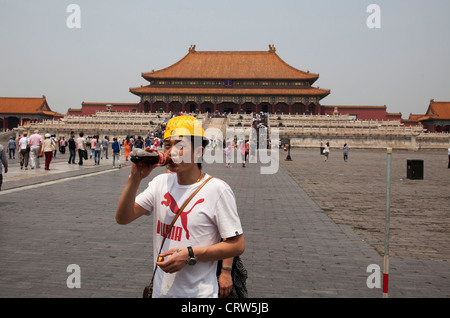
<point>231,82</point>
<point>18,111</point>
<point>437,117</point>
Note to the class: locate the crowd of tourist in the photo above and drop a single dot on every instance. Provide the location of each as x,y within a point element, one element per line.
<point>259,120</point>
<point>31,150</point>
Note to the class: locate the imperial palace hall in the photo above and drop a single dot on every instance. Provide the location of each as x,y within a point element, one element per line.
<point>233,82</point>
<point>230,82</point>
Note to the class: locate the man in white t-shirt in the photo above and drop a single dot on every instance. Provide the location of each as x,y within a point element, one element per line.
<point>81,147</point>
<point>194,245</point>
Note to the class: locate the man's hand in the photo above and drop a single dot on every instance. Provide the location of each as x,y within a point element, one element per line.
<point>127,210</point>
<point>225,284</point>
<point>142,170</point>
<point>174,260</point>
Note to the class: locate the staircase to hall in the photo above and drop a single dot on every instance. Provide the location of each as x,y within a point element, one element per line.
<point>217,123</point>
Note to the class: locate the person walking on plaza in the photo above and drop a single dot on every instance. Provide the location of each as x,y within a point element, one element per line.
<point>105,145</point>
<point>97,149</point>
<point>147,142</point>
<point>228,152</point>
<point>247,150</point>
<point>35,149</point>
<point>53,138</point>
<point>127,147</point>
<point>252,147</point>
<point>188,263</point>
<point>48,147</point>
<point>81,146</point>
<point>88,145</point>
<point>62,145</point>
<point>92,143</point>
<point>326,151</point>
<point>242,150</point>
<point>24,150</point>
<point>345,151</point>
<point>139,143</point>
<point>116,152</point>
<point>12,148</point>
<point>3,163</point>
<point>72,147</point>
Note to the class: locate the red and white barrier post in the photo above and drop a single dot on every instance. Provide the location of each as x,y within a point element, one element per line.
<point>386,230</point>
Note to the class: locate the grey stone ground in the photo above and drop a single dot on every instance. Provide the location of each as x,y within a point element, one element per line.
<point>354,193</point>
<point>297,245</point>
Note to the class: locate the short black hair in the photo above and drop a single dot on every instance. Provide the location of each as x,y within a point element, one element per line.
<point>197,141</point>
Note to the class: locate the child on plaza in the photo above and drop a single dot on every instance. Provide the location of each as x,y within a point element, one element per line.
<point>345,151</point>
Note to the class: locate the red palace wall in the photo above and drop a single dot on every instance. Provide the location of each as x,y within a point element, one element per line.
<point>362,113</point>
<point>91,109</point>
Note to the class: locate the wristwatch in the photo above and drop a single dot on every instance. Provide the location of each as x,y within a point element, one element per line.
<point>191,260</point>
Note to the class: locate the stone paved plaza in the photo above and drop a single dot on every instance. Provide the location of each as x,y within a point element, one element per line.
<point>354,193</point>
<point>311,229</point>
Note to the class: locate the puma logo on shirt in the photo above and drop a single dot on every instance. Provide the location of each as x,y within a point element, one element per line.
<point>173,206</point>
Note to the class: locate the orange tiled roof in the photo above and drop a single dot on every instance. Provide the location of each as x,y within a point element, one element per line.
<point>24,105</point>
<point>231,65</point>
<point>438,110</point>
<point>423,118</point>
<point>312,91</point>
<point>54,114</point>
<point>414,117</point>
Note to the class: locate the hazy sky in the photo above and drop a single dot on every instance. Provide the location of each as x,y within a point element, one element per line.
<point>403,64</point>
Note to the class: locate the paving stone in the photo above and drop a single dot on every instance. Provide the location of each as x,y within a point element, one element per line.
<point>294,248</point>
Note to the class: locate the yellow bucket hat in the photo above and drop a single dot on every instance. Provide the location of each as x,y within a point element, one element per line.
<point>183,126</point>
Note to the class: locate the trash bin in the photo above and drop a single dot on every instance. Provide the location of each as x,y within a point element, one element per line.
<point>414,169</point>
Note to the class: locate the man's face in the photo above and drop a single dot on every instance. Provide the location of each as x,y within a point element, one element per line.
<point>179,148</point>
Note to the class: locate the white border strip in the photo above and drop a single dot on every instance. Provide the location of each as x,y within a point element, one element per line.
<point>34,186</point>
